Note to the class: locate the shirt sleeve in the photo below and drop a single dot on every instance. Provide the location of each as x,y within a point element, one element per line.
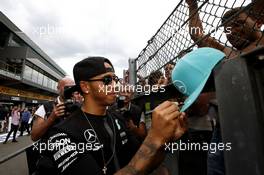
<point>40,112</point>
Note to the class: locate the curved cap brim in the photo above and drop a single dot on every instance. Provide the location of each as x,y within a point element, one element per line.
<point>189,101</point>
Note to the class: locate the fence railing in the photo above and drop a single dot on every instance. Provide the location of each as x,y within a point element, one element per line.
<point>203,23</point>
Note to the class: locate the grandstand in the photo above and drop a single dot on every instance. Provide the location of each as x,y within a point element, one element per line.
<point>27,74</point>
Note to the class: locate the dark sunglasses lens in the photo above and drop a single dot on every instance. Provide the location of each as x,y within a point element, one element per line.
<point>107,80</point>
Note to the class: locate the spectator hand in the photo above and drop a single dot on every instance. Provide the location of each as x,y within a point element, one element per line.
<point>130,125</point>
<point>58,110</point>
<point>181,127</point>
<point>191,2</point>
<point>162,81</point>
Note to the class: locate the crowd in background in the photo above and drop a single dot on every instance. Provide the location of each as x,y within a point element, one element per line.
<point>15,118</point>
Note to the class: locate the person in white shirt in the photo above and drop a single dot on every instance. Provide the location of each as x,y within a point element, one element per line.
<point>15,114</point>
<point>47,114</point>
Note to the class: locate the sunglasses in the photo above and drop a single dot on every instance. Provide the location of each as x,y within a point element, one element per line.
<point>107,79</point>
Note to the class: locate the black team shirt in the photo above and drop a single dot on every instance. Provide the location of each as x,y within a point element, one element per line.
<point>75,149</point>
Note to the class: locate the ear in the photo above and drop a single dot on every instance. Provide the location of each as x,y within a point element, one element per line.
<point>84,87</point>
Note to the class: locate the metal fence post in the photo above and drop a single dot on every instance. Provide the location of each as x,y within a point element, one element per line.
<point>132,71</point>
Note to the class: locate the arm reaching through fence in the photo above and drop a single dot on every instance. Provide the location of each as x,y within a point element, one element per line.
<point>197,32</point>
<point>242,29</point>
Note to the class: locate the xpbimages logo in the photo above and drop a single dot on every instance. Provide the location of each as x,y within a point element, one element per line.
<point>65,145</point>
<point>116,88</point>
<point>210,147</point>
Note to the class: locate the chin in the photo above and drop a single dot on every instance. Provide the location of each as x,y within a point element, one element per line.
<point>240,43</point>
<point>109,103</point>
<point>111,99</point>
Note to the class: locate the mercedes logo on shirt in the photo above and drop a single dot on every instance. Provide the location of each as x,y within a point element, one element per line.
<point>90,135</point>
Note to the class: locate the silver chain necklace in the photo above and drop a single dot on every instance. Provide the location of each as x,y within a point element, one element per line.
<point>104,169</point>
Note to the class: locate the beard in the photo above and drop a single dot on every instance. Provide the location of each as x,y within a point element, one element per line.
<point>239,43</point>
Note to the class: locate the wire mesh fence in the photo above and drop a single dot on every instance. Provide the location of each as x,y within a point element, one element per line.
<point>233,26</point>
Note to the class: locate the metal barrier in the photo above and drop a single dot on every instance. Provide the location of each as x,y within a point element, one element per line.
<point>192,26</point>
<point>12,155</point>
<point>240,92</point>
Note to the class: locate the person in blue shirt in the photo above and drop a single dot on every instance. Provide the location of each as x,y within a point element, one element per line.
<point>24,123</point>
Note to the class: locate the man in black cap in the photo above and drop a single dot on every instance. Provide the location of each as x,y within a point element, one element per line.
<point>92,141</point>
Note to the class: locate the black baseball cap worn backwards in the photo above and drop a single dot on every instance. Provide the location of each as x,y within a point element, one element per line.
<point>90,67</point>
